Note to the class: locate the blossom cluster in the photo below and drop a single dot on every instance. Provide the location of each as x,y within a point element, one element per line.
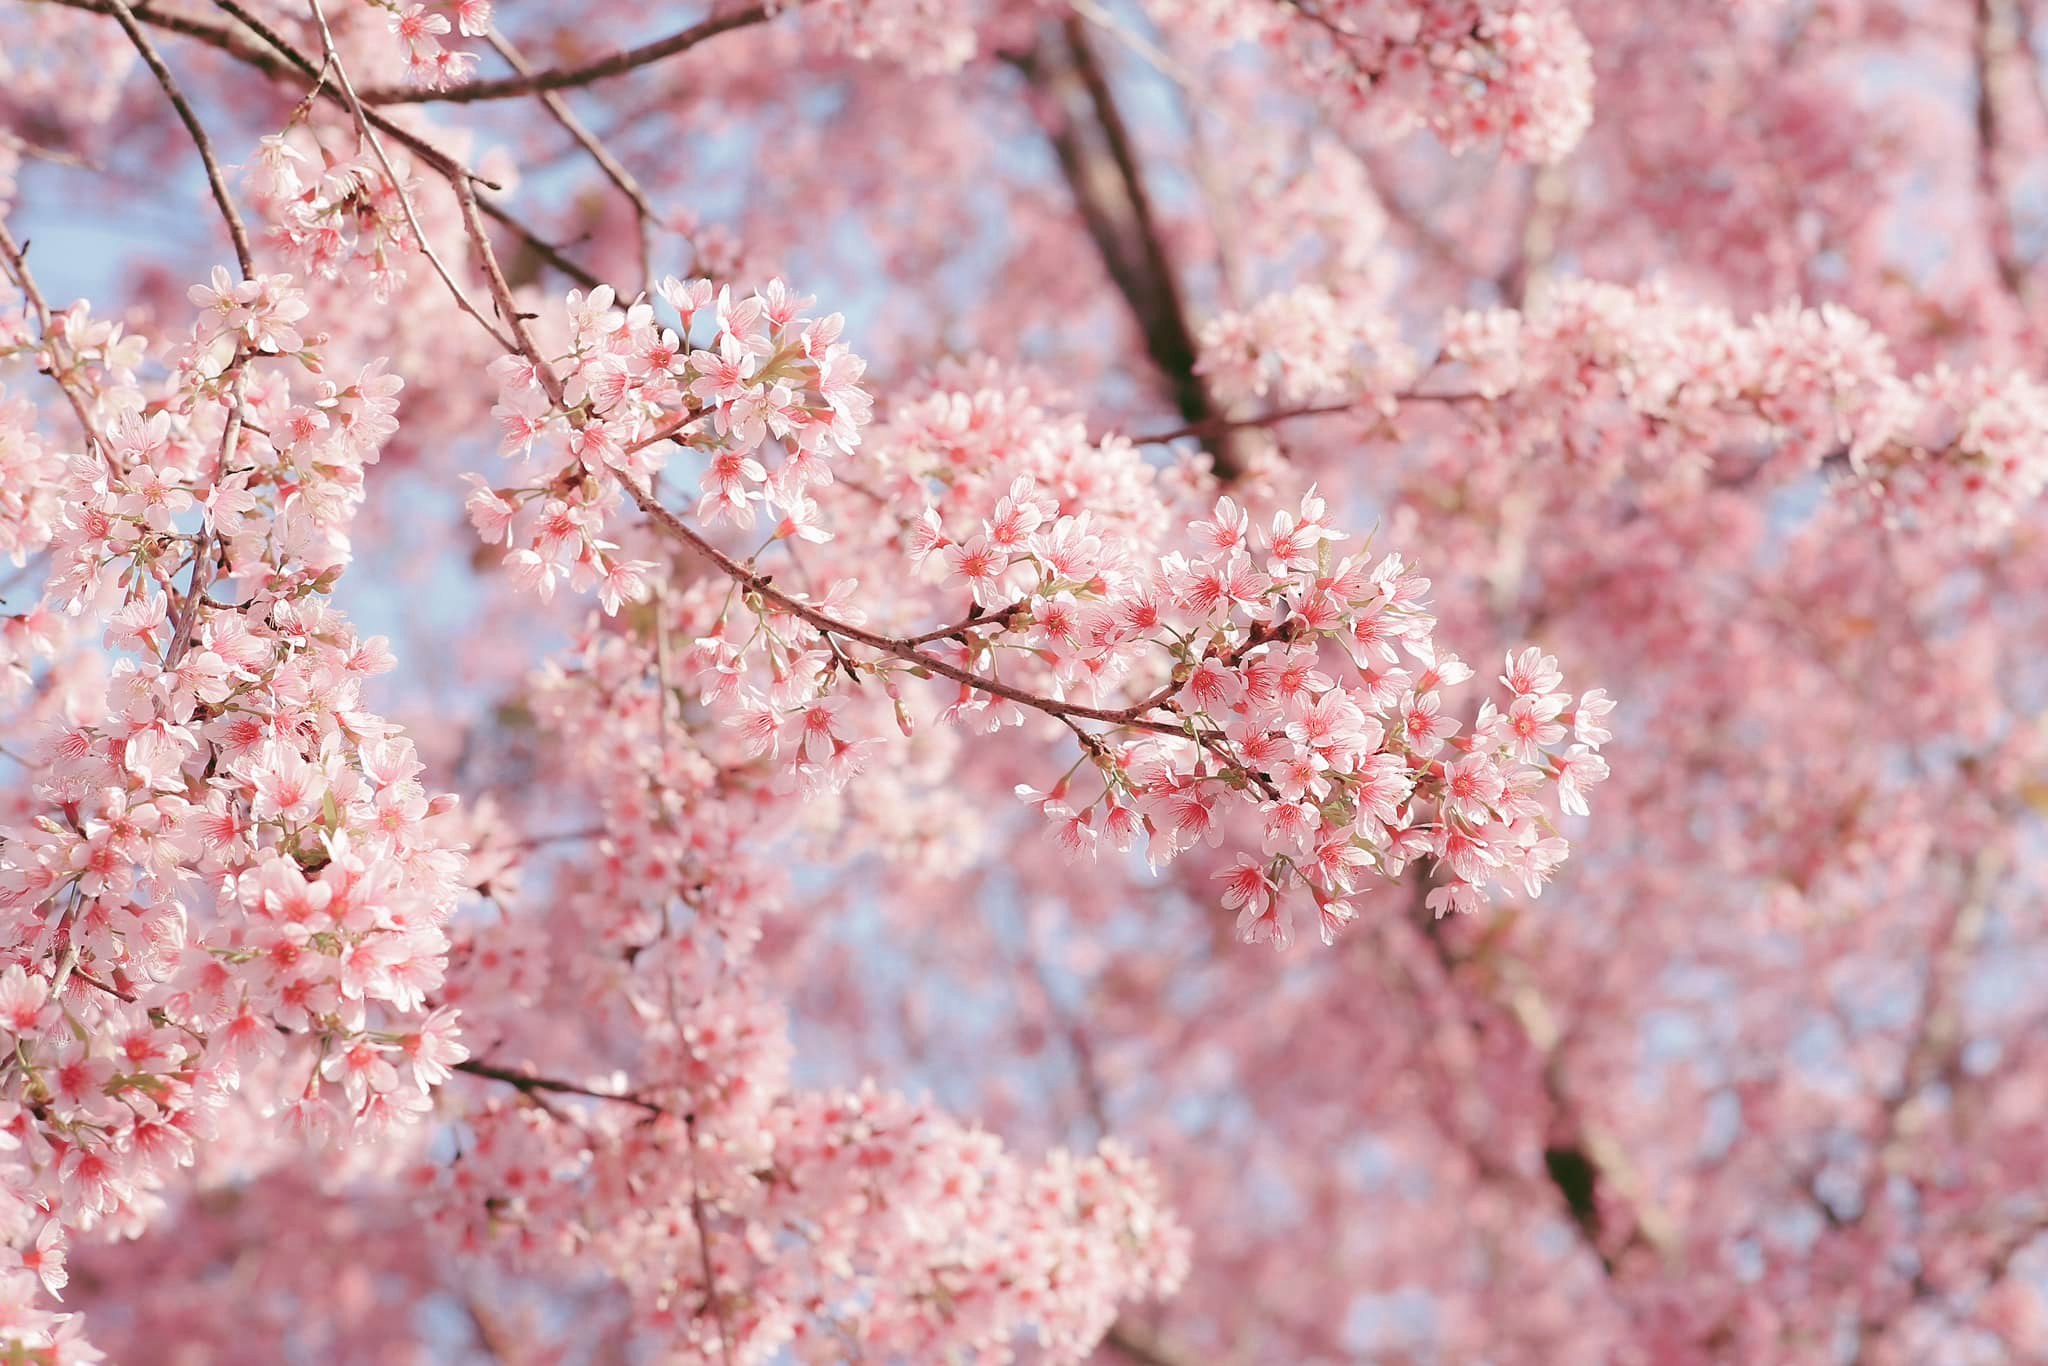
<point>1767,1087</point>
<point>863,1218</point>
<point>230,869</point>
<point>927,36</point>
<point>1516,72</point>
<point>762,386</point>
<point>346,220</point>
<point>1223,679</point>
<point>1345,772</point>
<point>1305,344</point>
<point>1954,453</point>
<point>742,1216</point>
<point>1193,670</point>
<point>419,29</point>
<point>30,474</point>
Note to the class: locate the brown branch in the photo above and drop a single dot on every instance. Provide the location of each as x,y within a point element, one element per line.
<point>644,215</point>
<point>209,542</point>
<point>1145,217</point>
<point>711,1296</point>
<point>501,293</point>
<point>2033,82</point>
<point>59,369</point>
<point>564,78</point>
<point>288,60</point>
<point>1108,186</point>
<point>539,245</point>
<point>1995,36</point>
<point>1936,1032</point>
<point>216,36</point>
<point>527,1082</point>
<point>439,161</point>
<point>487,1335</point>
<point>231,43</point>
<point>1275,418</point>
<point>125,17</point>
<point>369,134</point>
<point>1141,1347</point>
<point>1583,1166</point>
<point>1547,200</point>
<point>1133,715</point>
<point>974,620</point>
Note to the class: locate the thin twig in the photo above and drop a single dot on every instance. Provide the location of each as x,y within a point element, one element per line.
<point>1115,204</point>
<point>1275,418</point>
<point>209,540</point>
<point>526,1082</point>
<point>450,169</point>
<point>711,1296</point>
<point>56,156</point>
<point>230,43</point>
<point>501,293</point>
<point>564,78</point>
<point>539,245</point>
<point>1133,715</point>
<point>644,216</point>
<point>289,60</point>
<point>369,134</point>
<point>1995,43</point>
<point>1141,1347</point>
<point>125,17</point>
<point>59,368</point>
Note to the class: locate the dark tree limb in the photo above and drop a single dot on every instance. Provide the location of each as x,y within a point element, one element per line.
<point>1098,158</point>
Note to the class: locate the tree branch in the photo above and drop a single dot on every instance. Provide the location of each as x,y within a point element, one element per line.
<point>288,60</point>
<point>125,17</point>
<point>16,256</point>
<point>524,1081</point>
<point>1140,1347</point>
<point>412,219</point>
<point>1278,416</point>
<point>1995,36</point>
<point>1133,715</point>
<point>644,216</point>
<point>565,78</point>
<point>1110,193</point>
<point>210,543</point>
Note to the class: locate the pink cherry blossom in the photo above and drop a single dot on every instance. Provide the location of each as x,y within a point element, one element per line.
<point>948,680</point>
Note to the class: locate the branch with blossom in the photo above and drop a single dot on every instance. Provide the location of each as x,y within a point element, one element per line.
<point>871,762</point>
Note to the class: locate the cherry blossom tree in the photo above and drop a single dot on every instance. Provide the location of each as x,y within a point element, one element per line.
<point>934,680</point>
